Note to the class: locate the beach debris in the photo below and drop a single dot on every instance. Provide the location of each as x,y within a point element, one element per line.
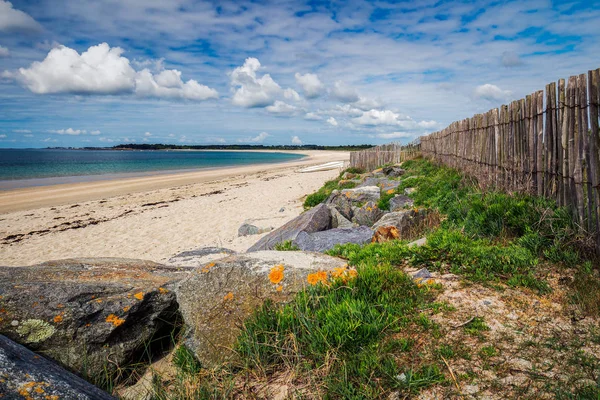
<point>94,304</point>
<point>314,220</point>
<point>214,324</point>
<point>326,240</point>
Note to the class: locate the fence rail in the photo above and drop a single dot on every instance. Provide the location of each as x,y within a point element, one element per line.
<point>546,144</point>
<point>385,154</point>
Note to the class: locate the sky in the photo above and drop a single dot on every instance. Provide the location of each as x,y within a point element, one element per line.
<point>104,72</point>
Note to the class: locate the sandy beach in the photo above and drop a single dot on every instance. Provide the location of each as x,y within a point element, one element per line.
<point>154,217</point>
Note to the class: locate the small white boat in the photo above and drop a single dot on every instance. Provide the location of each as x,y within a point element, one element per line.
<point>324,167</point>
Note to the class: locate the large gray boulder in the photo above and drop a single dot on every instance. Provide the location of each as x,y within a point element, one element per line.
<point>368,214</point>
<point>341,203</point>
<point>404,221</point>
<point>338,220</point>
<point>394,171</point>
<point>400,202</point>
<point>91,315</point>
<point>326,240</point>
<point>384,184</point>
<point>217,299</point>
<point>26,375</point>
<point>362,194</point>
<point>314,220</point>
<point>199,257</point>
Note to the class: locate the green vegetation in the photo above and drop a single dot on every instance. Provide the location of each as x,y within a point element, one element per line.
<point>355,328</point>
<point>324,192</point>
<point>286,246</point>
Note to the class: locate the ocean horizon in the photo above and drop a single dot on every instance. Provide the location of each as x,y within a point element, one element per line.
<point>39,167</point>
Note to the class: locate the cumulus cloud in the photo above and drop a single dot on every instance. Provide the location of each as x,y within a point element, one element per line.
<point>21,131</point>
<point>4,52</point>
<point>281,108</point>
<point>291,94</point>
<point>256,139</point>
<point>103,70</point>
<point>366,104</point>
<point>492,93</point>
<point>394,135</point>
<point>147,134</point>
<point>311,116</point>
<point>68,131</point>
<point>13,20</point>
<point>378,117</point>
<point>311,85</point>
<point>296,140</point>
<point>331,121</point>
<point>344,92</point>
<point>511,59</point>
<point>250,90</point>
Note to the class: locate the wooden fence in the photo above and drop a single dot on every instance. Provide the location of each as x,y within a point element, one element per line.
<point>546,144</point>
<point>385,154</point>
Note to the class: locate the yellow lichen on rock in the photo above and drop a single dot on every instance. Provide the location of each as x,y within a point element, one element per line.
<point>115,320</point>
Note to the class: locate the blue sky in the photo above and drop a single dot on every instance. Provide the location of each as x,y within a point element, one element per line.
<point>104,72</point>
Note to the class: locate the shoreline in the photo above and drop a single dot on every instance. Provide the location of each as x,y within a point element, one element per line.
<point>27,198</point>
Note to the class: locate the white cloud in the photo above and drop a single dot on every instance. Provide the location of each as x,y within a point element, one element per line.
<point>492,93</point>
<point>147,134</point>
<point>311,116</point>
<point>311,85</point>
<point>378,117</point>
<point>16,20</point>
<point>103,70</point>
<point>257,139</point>
<point>345,110</point>
<point>21,131</point>
<point>394,135</point>
<point>511,59</point>
<point>2,136</point>
<point>96,132</point>
<point>69,131</point>
<point>344,93</point>
<point>252,91</point>
<point>105,139</point>
<point>291,94</point>
<point>281,108</point>
<point>4,52</point>
<point>296,140</point>
<point>428,124</point>
<point>49,140</point>
<point>366,104</point>
<point>331,121</point>
<point>171,135</point>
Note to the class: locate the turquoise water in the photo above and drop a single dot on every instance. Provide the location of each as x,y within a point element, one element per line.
<point>23,164</point>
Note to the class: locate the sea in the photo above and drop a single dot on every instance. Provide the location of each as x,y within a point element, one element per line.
<point>37,167</point>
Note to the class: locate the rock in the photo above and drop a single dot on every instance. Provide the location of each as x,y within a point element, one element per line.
<point>247,229</point>
<point>326,240</point>
<point>196,258</point>
<point>83,312</point>
<point>26,375</point>
<point>338,220</point>
<point>404,221</point>
<point>409,191</point>
<point>400,202</point>
<point>385,234</point>
<point>282,209</point>
<point>418,243</point>
<point>362,194</point>
<point>341,203</point>
<point>393,170</point>
<point>314,220</point>
<point>421,274</point>
<point>368,214</point>
<point>348,175</point>
<point>384,184</point>
<point>215,301</point>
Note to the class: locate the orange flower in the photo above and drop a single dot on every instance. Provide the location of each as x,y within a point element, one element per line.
<point>139,295</point>
<point>352,272</point>
<point>113,319</point>
<point>322,275</point>
<point>228,296</point>
<point>276,274</point>
<point>338,272</point>
<point>313,279</point>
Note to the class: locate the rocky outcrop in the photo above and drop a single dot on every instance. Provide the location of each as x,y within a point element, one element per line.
<point>400,202</point>
<point>368,214</point>
<point>326,240</point>
<point>217,299</point>
<point>384,184</point>
<point>362,194</point>
<point>393,171</point>
<point>341,203</point>
<point>199,257</point>
<point>314,220</point>
<point>338,220</point>
<point>26,375</point>
<point>91,315</point>
<point>404,221</point>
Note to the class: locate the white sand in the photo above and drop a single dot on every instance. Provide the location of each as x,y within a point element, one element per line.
<point>194,210</point>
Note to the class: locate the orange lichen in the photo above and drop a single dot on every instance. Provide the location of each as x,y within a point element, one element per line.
<point>113,319</point>
<point>279,288</point>
<point>228,296</point>
<point>139,295</point>
<point>207,267</point>
<point>276,274</point>
<point>99,301</point>
<point>390,191</point>
<point>60,306</point>
<point>126,308</point>
<point>58,319</point>
<point>162,290</point>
